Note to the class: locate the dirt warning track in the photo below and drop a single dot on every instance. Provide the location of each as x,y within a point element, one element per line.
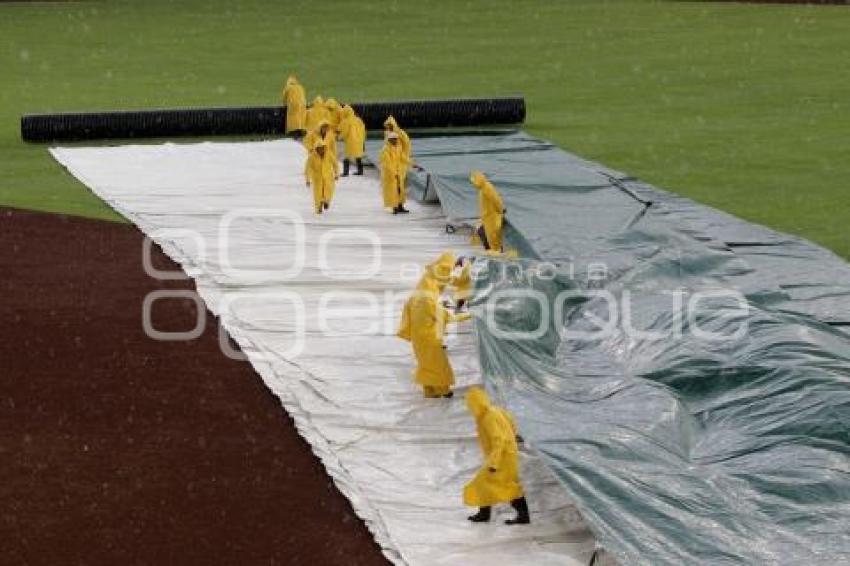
<point>117,448</point>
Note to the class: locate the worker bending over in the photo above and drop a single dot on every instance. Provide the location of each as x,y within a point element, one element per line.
<point>498,479</point>
<point>321,172</point>
<point>393,174</point>
<point>492,211</point>
<point>315,114</point>
<point>352,130</point>
<point>296,107</point>
<point>423,323</point>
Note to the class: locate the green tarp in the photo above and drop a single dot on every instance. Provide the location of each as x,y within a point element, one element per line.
<point>684,373</point>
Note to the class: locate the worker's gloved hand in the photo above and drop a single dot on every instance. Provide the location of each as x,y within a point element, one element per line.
<point>492,469</point>
<point>520,439</point>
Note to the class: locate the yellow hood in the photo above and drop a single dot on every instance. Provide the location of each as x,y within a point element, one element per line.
<point>391,123</point>
<point>291,81</point>
<point>347,111</point>
<point>331,104</point>
<point>441,269</point>
<point>318,101</point>
<point>477,402</point>
<point>478,179</point>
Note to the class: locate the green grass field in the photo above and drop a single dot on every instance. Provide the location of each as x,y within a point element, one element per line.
<point>743,107</point>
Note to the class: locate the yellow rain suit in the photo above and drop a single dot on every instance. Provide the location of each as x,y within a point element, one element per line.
<point>424,320</point>
<point>393,175</point>
<point>296,104</point>
<point>498,479</point>
<point>353,131</point>
<point>491,208</point>
<point>334,112</point>
<point>390,125</point>
<point>315,114</point>
<point>320,172</point>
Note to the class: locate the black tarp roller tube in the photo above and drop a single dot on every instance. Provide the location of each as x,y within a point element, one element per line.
<point>260,120</point>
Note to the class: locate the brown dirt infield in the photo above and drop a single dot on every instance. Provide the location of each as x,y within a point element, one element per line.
<point>118,449</point>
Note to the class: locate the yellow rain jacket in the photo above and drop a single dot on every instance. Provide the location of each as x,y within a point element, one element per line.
<point>321,173</point>
<point>353,131</point>
<point>404,142</point>
<point>439,272</point>
<point>393,175</point>
<point>498,479</point>
<point>428,320</point>
<point>296,104</point>
<point>315,114</point>
<point>334,112</point>
<point>403,139</point>
<point>491,208</point>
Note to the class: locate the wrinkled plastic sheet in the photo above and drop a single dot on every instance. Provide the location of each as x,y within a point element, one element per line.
<point>400,459</point>
<point>682,438</point>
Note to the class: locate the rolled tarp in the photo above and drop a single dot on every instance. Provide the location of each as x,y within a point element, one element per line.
<point>260,120</point>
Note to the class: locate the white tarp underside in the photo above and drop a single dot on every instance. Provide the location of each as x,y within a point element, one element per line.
<point>226,212</point>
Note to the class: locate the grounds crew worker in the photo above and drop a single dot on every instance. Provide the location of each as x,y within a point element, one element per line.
<point>321,171</point>
<point>492,211</point>
<point>498,479</point>
<point>423,323</point>
<point>393,174</point>
<point>296,107</point>
<point>352,130</point>
<point>315,114</point>
<point>391,126</point>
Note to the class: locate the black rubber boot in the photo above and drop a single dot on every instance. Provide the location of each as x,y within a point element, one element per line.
<point>359,166</point>
<point>346,164</point>
<point>449,395</point>
<point>402,210</point>
<point>522,517</point>
<point>482,516</point>
<point>327,205</point>
<point>395,210</point>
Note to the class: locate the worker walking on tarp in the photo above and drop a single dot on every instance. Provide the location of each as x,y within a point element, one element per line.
<point>390,127</point>
<point>295,102</point>
<point>352,130</point>
<point>393,174</point>
<point>315,114</point>
<point>492,211</point>
<point>423,323</point>
<point>321,171</point>
<point>498,479</point>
